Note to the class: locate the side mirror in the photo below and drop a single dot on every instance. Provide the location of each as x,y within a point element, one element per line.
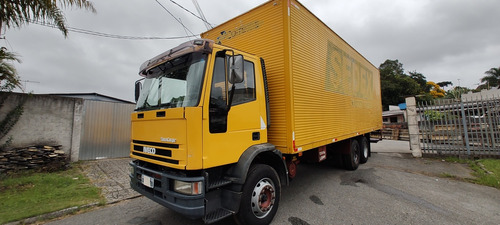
<point>236,69</point>
<point>138,88</point>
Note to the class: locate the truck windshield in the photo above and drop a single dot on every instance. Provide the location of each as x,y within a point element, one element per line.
<point>176,83</point>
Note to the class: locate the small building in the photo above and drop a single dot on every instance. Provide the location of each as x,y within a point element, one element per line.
<point>93,97</point>
<point>389,117</point>
<point>395,124</point>
<point>396,114</point>
<point>86,126</point>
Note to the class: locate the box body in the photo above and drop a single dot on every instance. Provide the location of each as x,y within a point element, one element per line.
<point>321,90</point>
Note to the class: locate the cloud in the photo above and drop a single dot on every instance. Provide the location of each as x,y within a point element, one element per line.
<point>444,40</point>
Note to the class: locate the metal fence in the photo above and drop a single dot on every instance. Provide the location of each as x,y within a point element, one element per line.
<point>454,127</point>
<point>106,130</point>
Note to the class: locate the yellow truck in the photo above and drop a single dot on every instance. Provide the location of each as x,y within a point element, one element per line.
<point>222,122</point>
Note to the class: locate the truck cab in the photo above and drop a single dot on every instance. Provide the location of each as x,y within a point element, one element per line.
<point>199,127</point>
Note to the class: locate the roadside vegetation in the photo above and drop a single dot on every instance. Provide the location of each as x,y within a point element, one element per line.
<point>31,194</point>
<point>486,171</point>
<point>397,84</point>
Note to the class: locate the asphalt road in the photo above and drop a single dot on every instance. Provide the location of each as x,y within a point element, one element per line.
<point>389,189</point>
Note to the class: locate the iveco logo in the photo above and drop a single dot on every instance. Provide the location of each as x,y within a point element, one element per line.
<point>172,140</point>
<point>149,150</point>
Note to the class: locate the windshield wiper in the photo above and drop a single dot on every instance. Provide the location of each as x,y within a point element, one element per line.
<point>146,105</point>
<point>166,105</point>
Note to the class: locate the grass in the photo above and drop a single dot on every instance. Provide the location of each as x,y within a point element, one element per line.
<point>456,160</point>
<point>447,175</point>
<point>486,171</point>
<point>33,193</point>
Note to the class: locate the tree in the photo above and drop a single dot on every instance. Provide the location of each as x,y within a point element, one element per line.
<point>16,13</point>
<point>391,68</point>
<point>421,80</point>
<point>436,90</point>
<point>444,83</point>
<point>395,84</point>
<point>9,78</point>
<point>456,92</point>
<point>8,81</point>
<point>492,79</point>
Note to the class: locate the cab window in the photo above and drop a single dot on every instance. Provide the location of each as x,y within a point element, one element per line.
<point>244,92</point>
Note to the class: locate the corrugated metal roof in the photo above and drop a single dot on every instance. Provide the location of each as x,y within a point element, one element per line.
<point>92,96</point>
<point>393,113</point>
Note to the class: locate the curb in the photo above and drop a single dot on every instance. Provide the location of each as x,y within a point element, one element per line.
<point>51,215</point>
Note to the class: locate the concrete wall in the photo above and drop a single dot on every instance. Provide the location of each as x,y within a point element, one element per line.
<point>493,93</point>
<point>47,120</point>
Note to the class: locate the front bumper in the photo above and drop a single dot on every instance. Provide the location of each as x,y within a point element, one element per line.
<point>162,191</point>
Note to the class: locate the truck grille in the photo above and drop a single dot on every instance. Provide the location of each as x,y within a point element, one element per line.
<point>156,158</point>
<point>159,150</point>
<point>165,145</point>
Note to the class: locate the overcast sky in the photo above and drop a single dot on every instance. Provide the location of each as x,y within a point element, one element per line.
<point>446,40</point>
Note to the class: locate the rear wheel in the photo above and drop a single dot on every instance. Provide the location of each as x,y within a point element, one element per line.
<point>352,158</point>
<point>365,149</point>
<point>261,196</point>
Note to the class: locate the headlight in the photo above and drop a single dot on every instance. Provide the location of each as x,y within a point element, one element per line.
<point>188,188</point>
<point>131,170</point>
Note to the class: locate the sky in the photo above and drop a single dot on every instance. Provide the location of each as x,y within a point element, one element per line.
<point>445,40</point>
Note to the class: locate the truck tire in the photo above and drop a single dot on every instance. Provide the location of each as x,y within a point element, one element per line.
<point>260,197</point>
<point>365,149</point>
<point>351,159</point>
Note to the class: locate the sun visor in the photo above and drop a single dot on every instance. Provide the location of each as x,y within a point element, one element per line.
<point>198,45</point>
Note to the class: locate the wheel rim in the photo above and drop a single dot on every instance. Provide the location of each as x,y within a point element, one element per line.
<point>365,150</point>
<point>356,154</point>
<point>263,197</point>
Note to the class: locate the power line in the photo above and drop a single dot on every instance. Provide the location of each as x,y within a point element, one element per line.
<point>185,29</point>
<point>7,42</point>
<point>106,35</point>
<point>173,16</point>
<point>202,18</point>
<point>198,8</point>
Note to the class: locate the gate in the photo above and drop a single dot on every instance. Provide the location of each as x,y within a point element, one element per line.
<point>105,130</point>
<point>453,127</point>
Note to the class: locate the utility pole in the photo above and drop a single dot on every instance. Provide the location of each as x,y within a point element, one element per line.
<point>28,81</point>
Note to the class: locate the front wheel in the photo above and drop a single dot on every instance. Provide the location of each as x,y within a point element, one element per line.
<point>261,196</point>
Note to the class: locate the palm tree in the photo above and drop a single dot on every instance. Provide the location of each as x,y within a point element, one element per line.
<point>8,81</point>
<point>16,13</point>
<point>8,74</point>
<point>492,78</point>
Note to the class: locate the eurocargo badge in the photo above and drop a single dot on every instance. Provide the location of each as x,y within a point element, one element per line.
<point>171,140</point>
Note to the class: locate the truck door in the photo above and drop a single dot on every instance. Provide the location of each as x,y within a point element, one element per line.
<point>231,133</point>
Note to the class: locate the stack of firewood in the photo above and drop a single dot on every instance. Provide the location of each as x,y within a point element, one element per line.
<point>44,158</point>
